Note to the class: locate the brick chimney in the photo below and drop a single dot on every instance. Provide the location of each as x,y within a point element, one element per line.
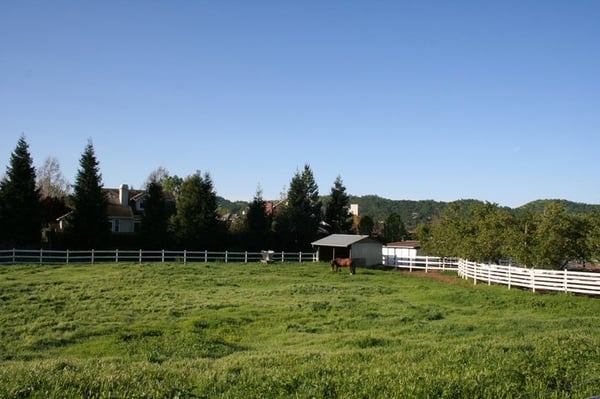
<point>124,195</point>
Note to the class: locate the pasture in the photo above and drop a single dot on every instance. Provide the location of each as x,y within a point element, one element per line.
<point>286,330</point>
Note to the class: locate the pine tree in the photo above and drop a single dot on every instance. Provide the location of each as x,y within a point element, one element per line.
<point>20,213</point>
<point>196,224</point>
<point>337,214</point>
<point>258,223</point>
<point>88,223</point>
<point>303,212</point>
<point>155,219</point>
<point>395,230</point>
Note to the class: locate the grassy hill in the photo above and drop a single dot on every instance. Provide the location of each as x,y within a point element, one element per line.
<point>286,330</point>
<point>414,213</point>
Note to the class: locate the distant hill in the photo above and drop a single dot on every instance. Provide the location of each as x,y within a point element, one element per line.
<point>235,207</point>
<point>570,206</point>
<point>414,213</point>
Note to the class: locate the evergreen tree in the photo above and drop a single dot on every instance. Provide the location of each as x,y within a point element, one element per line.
<point>303,211</point>
<point>20,213</point>
<point>88,223</point>
<point>366,225</point>
<point>196,224</point>
<point>337,214</point>
<point>155,220</point>
<point>395,230</point>
<point>258,223</point>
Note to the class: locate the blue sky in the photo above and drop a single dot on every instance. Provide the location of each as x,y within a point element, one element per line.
<point>444,100</point>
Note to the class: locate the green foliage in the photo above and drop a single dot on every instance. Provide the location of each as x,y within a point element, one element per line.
<point>155,220</point>
<point>485,232</point>
<point>172,185</point>
<point>559,237</point>
<point>88,222</point>
<point>412,213</point>
<point>258,224</point>
<point>288,330</point>
<point>366,225</point>
<point>297,224</point>
<point>337,213</point>
<point>20,213</point>
<point>196,224</point>
<point>394,229</point>
<point>571,207</point>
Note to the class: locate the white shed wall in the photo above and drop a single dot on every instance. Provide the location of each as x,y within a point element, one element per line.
<point>400,252</point>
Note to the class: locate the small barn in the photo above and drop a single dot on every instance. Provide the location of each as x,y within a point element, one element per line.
<point>363,249</point>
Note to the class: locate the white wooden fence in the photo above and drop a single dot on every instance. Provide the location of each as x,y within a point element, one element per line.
<point>535,279</point>
<point>420,263</point>
<point>46,257</point>
<point>587,283</point>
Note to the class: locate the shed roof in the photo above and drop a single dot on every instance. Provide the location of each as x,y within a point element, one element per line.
<point>341,240</point>
<point>405,244</point>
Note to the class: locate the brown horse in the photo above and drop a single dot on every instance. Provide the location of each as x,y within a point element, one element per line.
<point>336,263</point>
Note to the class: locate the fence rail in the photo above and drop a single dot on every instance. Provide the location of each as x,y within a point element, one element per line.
<point>420,263</point>
<point>49,257</point>
<point>587,283</point>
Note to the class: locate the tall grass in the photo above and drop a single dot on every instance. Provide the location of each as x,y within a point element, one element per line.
<point>286,330</point>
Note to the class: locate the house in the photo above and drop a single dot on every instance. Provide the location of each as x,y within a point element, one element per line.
<point>124,209</point>
<point>362,248</point>
<point>402,250</point>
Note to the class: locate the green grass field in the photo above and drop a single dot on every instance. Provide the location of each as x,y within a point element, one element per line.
<point>286,330</point>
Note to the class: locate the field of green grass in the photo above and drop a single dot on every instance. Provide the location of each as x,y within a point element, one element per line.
<point>286,330</point>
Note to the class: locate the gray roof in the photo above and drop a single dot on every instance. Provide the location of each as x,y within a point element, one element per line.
<point>340,240</point>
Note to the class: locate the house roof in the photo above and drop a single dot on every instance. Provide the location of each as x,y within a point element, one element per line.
<point>405,244</point>
<point>118,211</point>
<point>341,240</point>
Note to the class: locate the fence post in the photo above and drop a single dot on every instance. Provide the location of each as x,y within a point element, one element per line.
<point>67,256</point>
<point>41,256</point>
<point>206,256</point>
<point>14,256</point>
<point>490,273</point>
<point>140,256</point>
<point>532,279</point>
<point>117,255</point>
<point>509,276</point>
<point>300,256</point>
<point>92,256</point>
<point>226,255</point>
<point>565,280</point>
<point>246,257</point>
<point>475,273</point>
<point>426,264</point>
<point>282,256</point>
<point>185,256</point>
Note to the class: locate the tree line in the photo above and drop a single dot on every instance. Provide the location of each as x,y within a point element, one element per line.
<point>31,201</point>
<point>30,204</point>
<point>485,232</point>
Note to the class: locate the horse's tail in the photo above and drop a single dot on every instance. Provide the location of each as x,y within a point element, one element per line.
<point>352,267</point>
